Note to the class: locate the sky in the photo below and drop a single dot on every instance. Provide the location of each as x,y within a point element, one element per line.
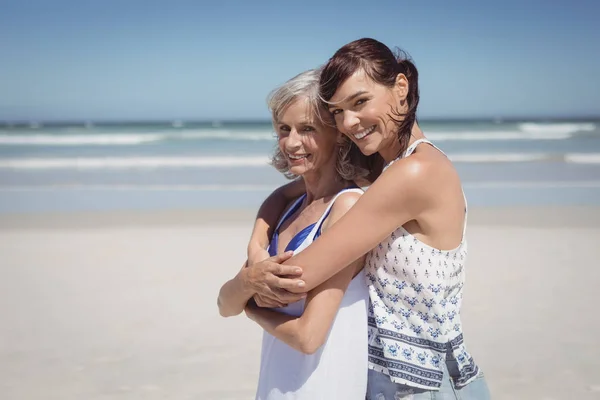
<point>218,60</point>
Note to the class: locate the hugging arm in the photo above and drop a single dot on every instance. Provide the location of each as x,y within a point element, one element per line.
<point>263,281</point>
<point>395,198</point>
<point>236,292</point>
<point>308,332</point>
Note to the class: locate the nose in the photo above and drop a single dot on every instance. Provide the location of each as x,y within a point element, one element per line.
<point>293,142</point>
<point>350,121</point>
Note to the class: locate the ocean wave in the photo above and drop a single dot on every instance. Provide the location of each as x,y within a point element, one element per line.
<point>126,139</point>
<point>93,137</point>
<point>496,135</point>
<point>249,188</point>
<point>256,161</point>
<point>131,162</point>
<point>501,157</point>
<point>556,128</point>
<point>583,158</point>
<point>129,138</point>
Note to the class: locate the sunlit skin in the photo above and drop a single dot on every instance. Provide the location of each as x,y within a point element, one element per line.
<point>361,106</point>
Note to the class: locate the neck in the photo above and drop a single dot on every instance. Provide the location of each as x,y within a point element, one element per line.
<point>415,134</point>
<point>322,183</point>
<point>390,153</point>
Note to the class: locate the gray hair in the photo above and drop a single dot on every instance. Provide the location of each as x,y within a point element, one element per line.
<point>306,86</point>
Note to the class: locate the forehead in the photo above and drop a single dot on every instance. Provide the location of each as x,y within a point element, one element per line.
<point>357,82</point>
<point>298,111</point>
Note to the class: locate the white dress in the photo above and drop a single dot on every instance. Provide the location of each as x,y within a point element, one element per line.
<point>338,370</point>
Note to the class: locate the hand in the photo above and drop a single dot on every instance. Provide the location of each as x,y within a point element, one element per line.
<point>257,256</point>
<point>270,280</point>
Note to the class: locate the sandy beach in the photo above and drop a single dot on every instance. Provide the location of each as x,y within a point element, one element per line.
<point>122,305</point>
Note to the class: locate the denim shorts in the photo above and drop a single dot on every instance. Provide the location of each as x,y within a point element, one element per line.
<point>380,387</point>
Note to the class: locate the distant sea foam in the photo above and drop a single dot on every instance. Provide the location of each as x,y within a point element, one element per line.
<point>96,137</point>
<point>94,163</point>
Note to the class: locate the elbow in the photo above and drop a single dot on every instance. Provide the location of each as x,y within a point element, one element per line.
<point>309,347</point>
<point>309,342</point>
<point>225,311</point>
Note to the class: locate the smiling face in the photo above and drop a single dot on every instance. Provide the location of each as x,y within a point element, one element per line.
<point>307,144</point>
<point>362,110</point>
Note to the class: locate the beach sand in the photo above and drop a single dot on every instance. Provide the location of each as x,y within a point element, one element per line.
<point>122,305</point>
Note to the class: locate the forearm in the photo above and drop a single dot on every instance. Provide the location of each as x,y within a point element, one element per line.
<point>286,328</point>
<point>336,248</point>
<point>234,295</point>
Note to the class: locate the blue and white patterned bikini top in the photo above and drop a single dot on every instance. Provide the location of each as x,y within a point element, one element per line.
<point>414,315</point>
<point>302,240</point>
<point>307,235</point>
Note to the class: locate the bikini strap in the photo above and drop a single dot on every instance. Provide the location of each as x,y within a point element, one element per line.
<point>290,211</point>
<point>319,223</point>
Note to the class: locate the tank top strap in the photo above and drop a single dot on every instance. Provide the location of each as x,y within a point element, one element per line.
<point>413,147</point>
<point>316,230</point>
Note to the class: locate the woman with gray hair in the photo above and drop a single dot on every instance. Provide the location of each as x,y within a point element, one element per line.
<point>315,347</point>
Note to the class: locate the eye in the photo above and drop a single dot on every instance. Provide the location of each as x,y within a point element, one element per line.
<point>336,111</point>
<point>360,102</point>
<point>308,129</point>
<point>284,128</point>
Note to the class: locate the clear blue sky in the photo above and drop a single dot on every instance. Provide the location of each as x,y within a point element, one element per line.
<point>109,59</point>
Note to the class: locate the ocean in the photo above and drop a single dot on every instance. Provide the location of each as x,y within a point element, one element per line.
<point>220,164</point>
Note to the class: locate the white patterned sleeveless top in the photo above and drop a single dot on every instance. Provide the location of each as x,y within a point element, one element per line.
<point>414,312</point>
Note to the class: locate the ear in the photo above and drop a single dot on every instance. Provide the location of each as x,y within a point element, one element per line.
<point>401,87</point>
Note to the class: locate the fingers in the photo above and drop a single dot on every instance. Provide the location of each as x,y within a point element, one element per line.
<point>286,297</point>
<point>289,283</point>
<point>286,270</point>
<point>279,258</point>
<point>266,302</point>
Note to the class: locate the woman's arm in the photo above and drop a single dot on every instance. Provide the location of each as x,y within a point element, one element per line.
<point>236,292</point>
<point>268,215</point>
<point>399,195</point>
<point>308,332</point>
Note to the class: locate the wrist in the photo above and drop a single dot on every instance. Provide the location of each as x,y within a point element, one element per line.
<point>256,254</point>
<point>246,282</point>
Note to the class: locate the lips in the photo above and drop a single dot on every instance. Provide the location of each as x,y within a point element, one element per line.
<point>363,134</point>
<point>297,157</point>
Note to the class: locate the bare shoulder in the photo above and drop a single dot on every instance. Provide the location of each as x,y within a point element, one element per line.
<point>421,171</point>
<point>342,204</point>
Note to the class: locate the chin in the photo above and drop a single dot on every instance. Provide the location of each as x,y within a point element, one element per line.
<point>368,150</point>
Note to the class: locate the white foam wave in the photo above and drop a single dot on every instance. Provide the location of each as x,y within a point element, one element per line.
<point>248,188</point>
<point>224,135</point>
<point>257,161</point>
<point>120,139</point>
<point>497,135</point>
<point>525,131</point>
<point>132,162</point>
<point>499,157</point>
<point>556,128</point>
<point>583,158</point>
<point>78,140</point>
<point>153,188</point>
